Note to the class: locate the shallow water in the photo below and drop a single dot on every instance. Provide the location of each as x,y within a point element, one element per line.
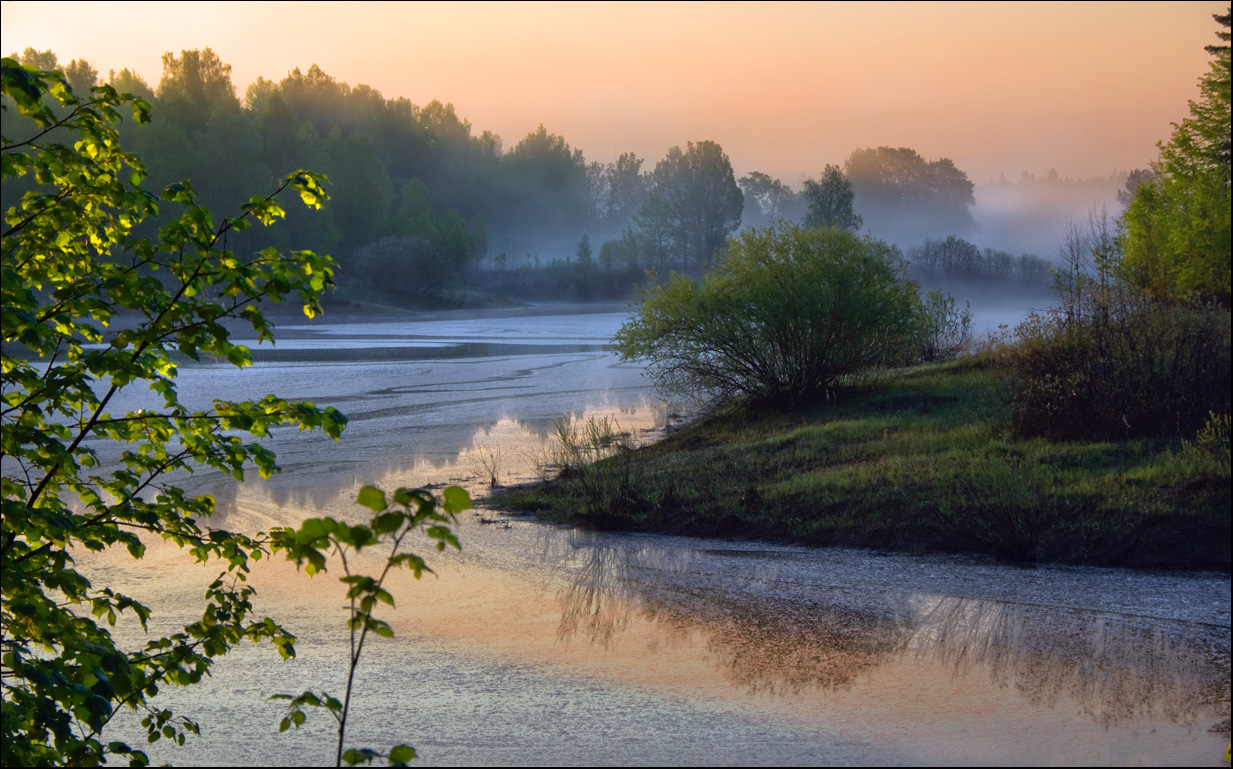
<point>537,644</point>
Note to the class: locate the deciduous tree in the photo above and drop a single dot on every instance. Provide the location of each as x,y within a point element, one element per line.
<point>767,200</point>
<point>904,197</point>
<point>694,204</point>
<point>1177,226</point>
<point>625,188</point>
<point>89,309</point>
<point>549,189</point>
<point>786,315</point>
<point>195,85</point>
<point>831,200</point>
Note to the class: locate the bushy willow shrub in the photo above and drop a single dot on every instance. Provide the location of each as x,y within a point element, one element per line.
<point>786,315</point>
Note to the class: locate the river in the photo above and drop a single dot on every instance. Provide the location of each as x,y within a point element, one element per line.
<point>544,645</point>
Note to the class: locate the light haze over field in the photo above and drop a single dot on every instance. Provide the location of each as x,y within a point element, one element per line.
<point>1083,88</point>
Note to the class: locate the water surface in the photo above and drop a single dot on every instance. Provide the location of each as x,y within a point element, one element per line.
<point>538,644</point>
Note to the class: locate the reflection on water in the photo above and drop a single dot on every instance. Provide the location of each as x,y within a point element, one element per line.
<point>585,648</point>
<point>545,645</point>
<point>782,647</point>
<point>597,600</point>
<point>514,450</point>
<point>1117,669</point>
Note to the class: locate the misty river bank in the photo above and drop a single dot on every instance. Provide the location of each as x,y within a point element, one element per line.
<point>541,644</point>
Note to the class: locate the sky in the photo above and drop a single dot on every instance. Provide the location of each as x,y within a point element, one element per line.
<point>1087,89</point>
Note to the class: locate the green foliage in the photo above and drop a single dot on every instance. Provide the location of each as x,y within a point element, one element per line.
<point>624,254</point>
<point>693,206</point>
<point>548,183</point>
<point>1210,449</point>
<point>768,200</point>
<point>622,191</point>
<point>196,85</point>
<point>1177,240</point>
<point>89,309</point>
<point>928,462</point>
<point>946,333</point>
<point>81,75</point>
<point>957,258</point>
<point>361,187</point>
<point>317,539</point>
<point>831,201</point>
<point>583,254</point>
<point>787,313</point>
<point>1140,345</point>
<point>401,268</point>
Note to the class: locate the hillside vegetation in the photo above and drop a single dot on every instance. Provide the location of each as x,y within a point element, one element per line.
<point>929,462</point>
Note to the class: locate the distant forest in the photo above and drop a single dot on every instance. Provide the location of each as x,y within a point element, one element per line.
<point>426,210</point>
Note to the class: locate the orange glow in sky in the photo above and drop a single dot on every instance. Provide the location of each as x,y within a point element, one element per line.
<point>785,88</point>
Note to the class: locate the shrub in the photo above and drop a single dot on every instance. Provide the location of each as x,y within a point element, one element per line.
<point>1140,343</point>
<point>1210,448</point>
<point>402,266</point>
<point>946,333</point>
<point>1112,362</point>
<point>579,449</point>
<point>787,314</point>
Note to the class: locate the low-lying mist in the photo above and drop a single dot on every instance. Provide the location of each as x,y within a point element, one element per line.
<point>1031,215</point>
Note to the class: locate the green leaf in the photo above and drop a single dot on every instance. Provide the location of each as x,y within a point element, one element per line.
<point>353,756</point>
<point>372,498</point>
<point>380,628</point>
<point>401,755</point>
<point>456,499</point>
<point>314,529</point>
<point>387,522</point>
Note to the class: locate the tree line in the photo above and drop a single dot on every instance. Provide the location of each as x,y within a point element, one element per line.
<point>421,198</point>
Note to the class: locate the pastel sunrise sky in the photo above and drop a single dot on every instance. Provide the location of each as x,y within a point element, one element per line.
<point>1085,88</point>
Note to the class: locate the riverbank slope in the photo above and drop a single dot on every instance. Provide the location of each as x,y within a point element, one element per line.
<point>928,463</point>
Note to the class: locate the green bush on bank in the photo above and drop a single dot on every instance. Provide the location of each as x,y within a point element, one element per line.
<point>787,315</point>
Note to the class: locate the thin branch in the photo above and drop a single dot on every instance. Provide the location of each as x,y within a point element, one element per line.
<point>56,200</point>
<point>62,123</point>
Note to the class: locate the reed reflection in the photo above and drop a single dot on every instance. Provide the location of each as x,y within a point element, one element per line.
<point>1117,669</point>
<point>598,600</point>
<point>321,477</point>
<point>762,642</point>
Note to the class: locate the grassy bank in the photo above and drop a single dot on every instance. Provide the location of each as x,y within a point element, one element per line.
<point>927,463</point>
